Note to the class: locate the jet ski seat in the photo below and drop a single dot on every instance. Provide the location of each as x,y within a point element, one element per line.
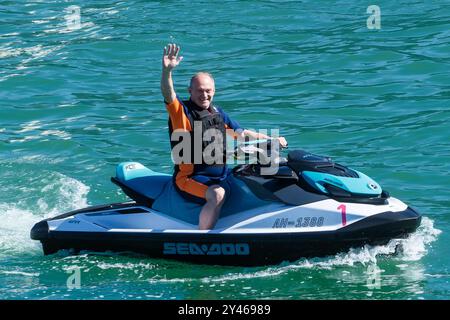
<point>156,190</point>
<point>139,182</point>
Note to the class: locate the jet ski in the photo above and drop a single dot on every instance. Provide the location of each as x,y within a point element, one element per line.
<point>309,206</point>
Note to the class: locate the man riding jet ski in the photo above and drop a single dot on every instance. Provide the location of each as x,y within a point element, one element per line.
<point>199,176</point>
<point>310,206</point>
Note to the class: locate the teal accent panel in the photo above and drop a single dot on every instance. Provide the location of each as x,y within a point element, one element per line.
<point>363,185</point>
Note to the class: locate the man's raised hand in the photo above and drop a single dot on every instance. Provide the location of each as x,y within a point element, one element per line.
<point>170,57</point>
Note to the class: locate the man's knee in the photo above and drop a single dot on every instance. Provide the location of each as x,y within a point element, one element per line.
<point>215,194</point>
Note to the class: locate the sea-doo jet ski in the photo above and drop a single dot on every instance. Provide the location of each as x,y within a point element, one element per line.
<point>309,207</point>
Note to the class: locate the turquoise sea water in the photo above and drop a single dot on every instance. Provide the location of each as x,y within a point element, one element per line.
<point>77,101</point>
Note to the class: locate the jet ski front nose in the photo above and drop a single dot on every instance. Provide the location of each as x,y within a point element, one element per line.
<point>39,231</point>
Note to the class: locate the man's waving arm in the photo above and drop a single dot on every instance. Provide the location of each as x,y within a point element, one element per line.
<point>169,61</point>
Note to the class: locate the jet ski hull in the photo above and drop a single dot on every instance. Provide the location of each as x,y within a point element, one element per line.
<point>229,248</point>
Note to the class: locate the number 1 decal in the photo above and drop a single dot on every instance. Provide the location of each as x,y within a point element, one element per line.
<point>343,209</point>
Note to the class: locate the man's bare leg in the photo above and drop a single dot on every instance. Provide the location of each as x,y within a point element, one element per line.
<point>215,197</point>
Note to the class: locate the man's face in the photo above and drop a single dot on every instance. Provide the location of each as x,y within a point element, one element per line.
<point>202,91</point>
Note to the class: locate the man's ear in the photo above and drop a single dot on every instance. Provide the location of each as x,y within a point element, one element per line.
<point>189,90</point>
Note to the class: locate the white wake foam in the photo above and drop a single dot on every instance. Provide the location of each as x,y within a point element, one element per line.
<point>412,248</point>
<point>61,195</point>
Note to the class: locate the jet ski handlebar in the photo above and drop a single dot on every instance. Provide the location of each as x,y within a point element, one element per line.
<point>263,151</point>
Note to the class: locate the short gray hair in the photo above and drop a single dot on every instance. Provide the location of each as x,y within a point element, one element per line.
<point>201,73</point>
